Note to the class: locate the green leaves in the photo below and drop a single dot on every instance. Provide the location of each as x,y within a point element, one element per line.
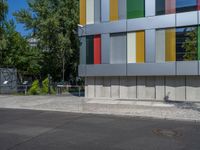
<point>53,23</point>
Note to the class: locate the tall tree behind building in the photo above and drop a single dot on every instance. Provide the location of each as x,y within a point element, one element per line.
<point>54,23</point>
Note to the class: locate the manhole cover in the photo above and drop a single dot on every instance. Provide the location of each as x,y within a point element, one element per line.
<point>166,133</point>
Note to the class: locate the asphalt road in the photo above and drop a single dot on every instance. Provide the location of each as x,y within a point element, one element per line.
<point>40,130</point>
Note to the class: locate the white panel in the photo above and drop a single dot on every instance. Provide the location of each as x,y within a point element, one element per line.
<point>160,46</point>
<point>131,43</point>
<point>89,11</point>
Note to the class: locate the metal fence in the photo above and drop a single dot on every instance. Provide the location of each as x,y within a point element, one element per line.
<point>8,80</point>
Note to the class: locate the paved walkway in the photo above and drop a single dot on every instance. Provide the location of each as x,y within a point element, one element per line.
<point>171,111</point>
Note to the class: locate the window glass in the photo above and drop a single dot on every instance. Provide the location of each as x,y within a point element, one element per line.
<point>186,5</point>
<point>186,44</point>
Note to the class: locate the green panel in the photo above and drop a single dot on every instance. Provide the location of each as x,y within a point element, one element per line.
<point>199,43</point>
<point>135,8</point>
<point>89,50</point>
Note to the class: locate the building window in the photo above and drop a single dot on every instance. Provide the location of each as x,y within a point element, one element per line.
<point>135,9</point>
<point>175,6</point>
<point>186,44</point>
<point>118,48</point>
<point>180,44</point>
<point>186,5</point>
<point>136,47</point>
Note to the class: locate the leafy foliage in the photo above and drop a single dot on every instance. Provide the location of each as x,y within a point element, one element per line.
<point>54,22</point>
<point>35,88</point>
<point>17,52</point>
<point>190,44</point>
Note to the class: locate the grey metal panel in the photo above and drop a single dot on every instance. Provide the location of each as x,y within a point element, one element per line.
<point>106,70</point>
<point>81,31</point>
<point>82,50</point>
<point>105,10</point>
<point>82,70</point>
<point>150,8</point>
<point>118,48</point>
<point>105,48</point>
<point>154,69</point>
<point>150,45</point>
<point>111,27</point>
<point>122,9</point>
<point>188,18</point>
<point>97,11</point>
<point>198,17</point>
<point>163,21</point>
<point>187,67</point>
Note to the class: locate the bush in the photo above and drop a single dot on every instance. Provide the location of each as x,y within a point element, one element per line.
<point>45,84</point>
<point>35,88</point>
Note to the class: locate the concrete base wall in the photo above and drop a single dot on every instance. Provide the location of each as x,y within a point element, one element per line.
<point>174,88</point>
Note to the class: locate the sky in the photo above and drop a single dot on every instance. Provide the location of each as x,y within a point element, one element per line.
<point>15,5</point>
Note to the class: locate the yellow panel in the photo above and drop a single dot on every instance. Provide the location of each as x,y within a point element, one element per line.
<point>140,47</point>
<point>170,45</point>
<point>114,10</point>
<point>82,12</point>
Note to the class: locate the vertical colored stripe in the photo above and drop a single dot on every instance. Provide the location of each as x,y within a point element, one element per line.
<point>97,49</point>
<point>198,4</point>
<point>89,50</point>
<point>114,10</point>
<point>82,12</point>
<point>170,6</point>
<point>105,10</point>
<point>131,47</point>
<point>170,42</point>
<point>89,11</point>
<point>140,47</point>
<point>135,8</point>
<point>160,46</point>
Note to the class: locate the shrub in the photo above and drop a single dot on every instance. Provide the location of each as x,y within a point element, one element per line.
<point>35,88</point>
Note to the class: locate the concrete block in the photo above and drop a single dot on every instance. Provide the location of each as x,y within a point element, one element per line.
<point>123,88</point>
<point>192,88</point>
<point>170,88</point>
<point>106,87</point>
<point>99,87</point>
<point>160,88</point>
<point>150,92</point>
<point>180,88</point>
<point>91,87</point>
<point>132,87</point>
<point>141,88</point>
<point>115,90</point>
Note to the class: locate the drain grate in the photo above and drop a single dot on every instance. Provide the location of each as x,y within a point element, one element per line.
<point>167,133</point>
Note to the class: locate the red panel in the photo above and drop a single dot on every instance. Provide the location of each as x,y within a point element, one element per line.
<point>97,49</point>
<point>198,1</point>
<point>170,6</point>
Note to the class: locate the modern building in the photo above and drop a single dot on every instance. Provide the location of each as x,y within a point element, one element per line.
<point>140,49</point>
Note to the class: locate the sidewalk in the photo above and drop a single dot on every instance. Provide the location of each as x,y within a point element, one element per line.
<point>171,111</point>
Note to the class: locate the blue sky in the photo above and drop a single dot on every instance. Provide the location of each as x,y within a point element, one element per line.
<point>15,5</point>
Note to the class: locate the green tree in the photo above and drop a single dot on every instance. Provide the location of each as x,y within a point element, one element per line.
<point>18,54</point>
<point>54,22</point>
<point>3,12</point>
